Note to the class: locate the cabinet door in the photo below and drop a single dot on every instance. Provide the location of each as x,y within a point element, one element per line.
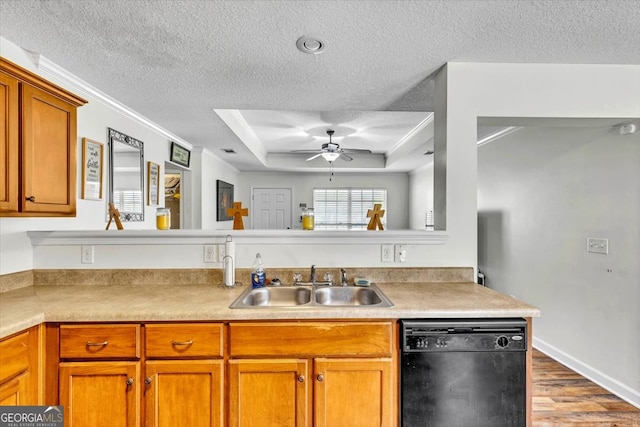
<point>353,393</point>
<point>269,393</point>
<point>100,394</point>
<point>184,393</point>
<point>49,152</point>
<point>8,144</point>
<point>15,392</point>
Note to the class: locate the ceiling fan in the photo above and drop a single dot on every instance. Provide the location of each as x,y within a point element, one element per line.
<point>330,151</point>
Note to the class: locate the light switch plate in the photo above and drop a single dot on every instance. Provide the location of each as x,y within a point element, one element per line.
<point>597,245</point>
<point>400,253</point>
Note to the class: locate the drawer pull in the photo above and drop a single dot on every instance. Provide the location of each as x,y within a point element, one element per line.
<point>320,377</point>
<point>301,378</point>
<point>129,381</point>
<point>148,380</point>
<point>31,199</point>
<point>97,344</point>
<point>174,342</point>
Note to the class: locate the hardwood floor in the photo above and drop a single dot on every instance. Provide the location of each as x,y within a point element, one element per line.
<point>562,398</point>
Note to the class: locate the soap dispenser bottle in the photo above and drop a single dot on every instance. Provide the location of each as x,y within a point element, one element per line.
<point>258,277</point>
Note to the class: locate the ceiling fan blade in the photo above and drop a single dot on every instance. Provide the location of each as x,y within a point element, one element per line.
<point>305,151</point>
<point>313,157</point>
<point>356,150</point>
<point>345,157</point>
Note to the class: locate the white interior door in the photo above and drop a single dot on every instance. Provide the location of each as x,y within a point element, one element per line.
<point>271,208</point>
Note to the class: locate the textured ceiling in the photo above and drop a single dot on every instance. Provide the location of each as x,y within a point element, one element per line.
<point>175,62</point>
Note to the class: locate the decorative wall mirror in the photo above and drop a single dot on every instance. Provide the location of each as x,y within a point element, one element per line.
<point>126,175</point>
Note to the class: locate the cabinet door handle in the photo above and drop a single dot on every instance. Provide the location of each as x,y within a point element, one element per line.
<point>148,380</point>
<point>31,199</point>
<point>130,381</point>
<point>320,377</point>
<point>301,378</point>
<point>97,344</point>
<point>174,342</point>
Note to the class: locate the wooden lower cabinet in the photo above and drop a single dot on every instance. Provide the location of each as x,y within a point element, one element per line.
<point>19,369</point>
<point>337,392</point>
<point>184,393</point>
<point>100,394</point>
<point>13,391</point>
<point>353,392</point>
<point>269,392</point>
<point>320,374</point>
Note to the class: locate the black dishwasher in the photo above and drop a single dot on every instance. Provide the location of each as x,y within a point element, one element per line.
<point>463,373</point>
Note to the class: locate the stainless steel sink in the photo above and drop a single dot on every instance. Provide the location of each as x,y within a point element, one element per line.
<point>312,296</point>
<point>273,297</point>
<point>347,295</point>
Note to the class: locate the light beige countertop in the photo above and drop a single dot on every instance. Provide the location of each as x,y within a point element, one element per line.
<point>32,305</point>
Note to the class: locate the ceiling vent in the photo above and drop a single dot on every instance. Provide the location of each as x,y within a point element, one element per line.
<point>228,150</point>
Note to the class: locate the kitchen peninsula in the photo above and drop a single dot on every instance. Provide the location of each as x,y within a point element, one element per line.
<point>137,312</point>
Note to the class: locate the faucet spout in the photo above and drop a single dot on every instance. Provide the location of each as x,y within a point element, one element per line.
<point>314,274</point>
<point>343,277</point>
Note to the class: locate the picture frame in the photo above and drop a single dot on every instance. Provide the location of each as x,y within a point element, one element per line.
<point>180,155</point>
<point>225,200</point>
<point>153,183</point>
<point>92,169</point>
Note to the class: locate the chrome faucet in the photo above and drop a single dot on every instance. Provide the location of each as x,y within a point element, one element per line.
<point>343,277</point>
<point>314,274</point>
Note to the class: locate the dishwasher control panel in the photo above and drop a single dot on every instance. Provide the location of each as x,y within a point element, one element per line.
<point>464,335</point>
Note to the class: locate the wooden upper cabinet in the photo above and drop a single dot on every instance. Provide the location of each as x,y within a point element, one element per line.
<point>9,144</point>
<point>39,145</point>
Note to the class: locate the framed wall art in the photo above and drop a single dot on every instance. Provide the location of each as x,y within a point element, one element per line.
<point>180,155</point>
<point>225,200</point>
<point>92,168</point>
<point>153,183</point>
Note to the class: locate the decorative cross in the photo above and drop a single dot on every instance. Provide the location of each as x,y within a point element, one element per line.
<point>375,214</point>
<point>237,212</point>
<point>114,215</point>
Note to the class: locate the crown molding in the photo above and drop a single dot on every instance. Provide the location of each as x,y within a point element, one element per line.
<point>70,80</point>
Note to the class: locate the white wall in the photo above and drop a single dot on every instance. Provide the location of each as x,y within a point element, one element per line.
<point>420,196</point>
<point>302,185</point>
<point>541,193</point>
<point>94,118</point>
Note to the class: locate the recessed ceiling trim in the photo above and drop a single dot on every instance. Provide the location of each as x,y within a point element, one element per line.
<point>496,136</point>
<point>239,126</point>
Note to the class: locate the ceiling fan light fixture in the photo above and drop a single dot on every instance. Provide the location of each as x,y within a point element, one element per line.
<point>330,157</point>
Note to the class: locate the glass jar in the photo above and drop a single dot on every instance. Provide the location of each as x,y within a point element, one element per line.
<point>163,218</point>
<point>308,219</point>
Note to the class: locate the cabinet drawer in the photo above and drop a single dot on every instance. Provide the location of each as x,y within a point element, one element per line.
<point>14,356</point>
<point>183,340</point>
<point>371,339</point>
<point>99,341</point>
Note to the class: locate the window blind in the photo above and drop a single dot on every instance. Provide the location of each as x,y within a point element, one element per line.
<point>346,208</point>
<point>128,200</point>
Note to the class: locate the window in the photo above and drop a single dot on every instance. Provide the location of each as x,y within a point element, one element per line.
<point>346,208</point>
<point>128,200</point>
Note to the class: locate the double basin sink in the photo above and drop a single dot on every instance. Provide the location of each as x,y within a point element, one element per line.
<point>308,296</point>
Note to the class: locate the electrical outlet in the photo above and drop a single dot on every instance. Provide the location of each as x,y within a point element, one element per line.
<point>400,253</point>
<point>221,253</point>
<point>209,253</point>
<point>598,246</point>
<point>387,253</point>
<point>88,254</point>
